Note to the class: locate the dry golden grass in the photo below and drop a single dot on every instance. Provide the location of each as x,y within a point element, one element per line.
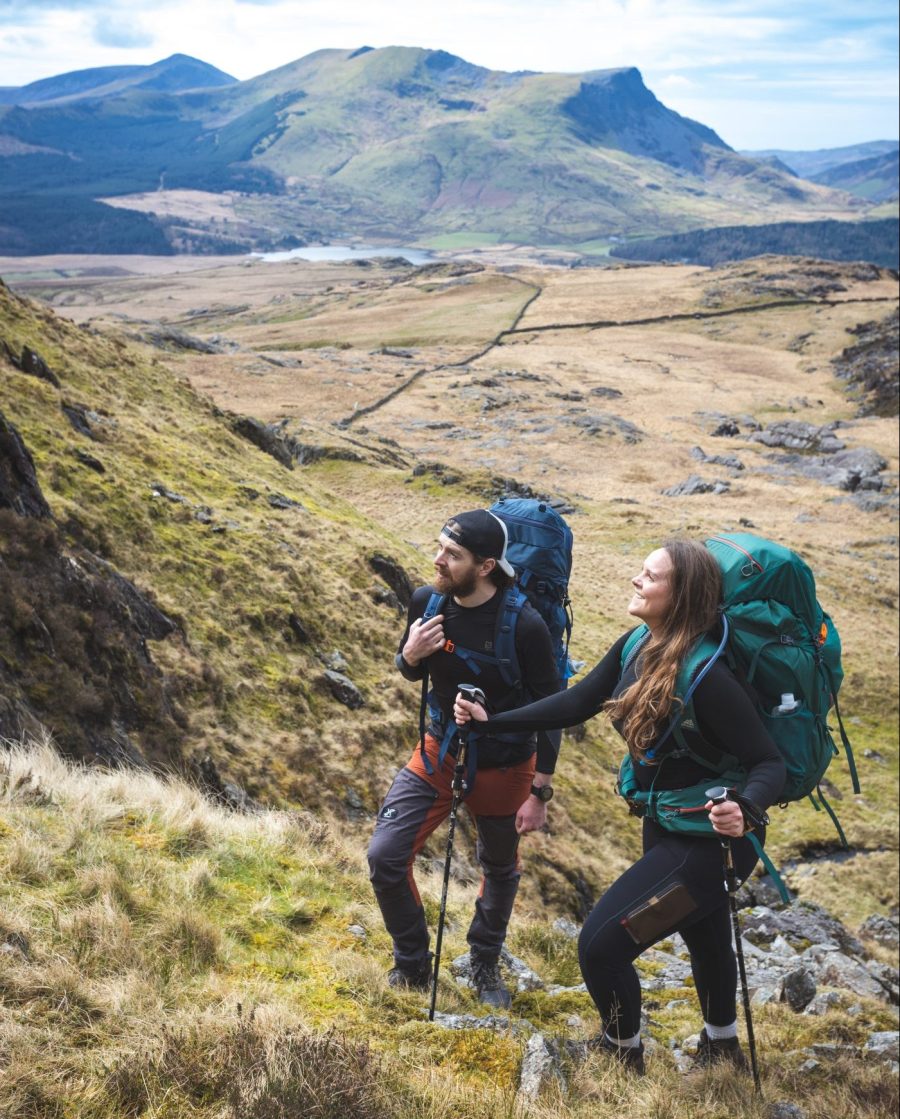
<point>159,968</point>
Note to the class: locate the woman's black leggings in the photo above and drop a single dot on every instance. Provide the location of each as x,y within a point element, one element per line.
<point>606,949</point>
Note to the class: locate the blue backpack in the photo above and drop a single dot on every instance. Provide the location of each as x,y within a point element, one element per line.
<point>539,547</point>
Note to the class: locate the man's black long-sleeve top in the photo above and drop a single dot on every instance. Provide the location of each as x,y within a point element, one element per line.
<point>724,711</point>
<point>474,627</point>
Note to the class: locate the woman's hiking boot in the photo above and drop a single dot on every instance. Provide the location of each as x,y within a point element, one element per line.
<point>488,985</point>
<point>630,1056</point>
<point>414,977</point>
<point>713,1051</point>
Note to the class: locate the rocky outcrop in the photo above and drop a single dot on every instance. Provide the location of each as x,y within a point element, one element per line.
<point>871,366</point>
<point>30,361</point>
<point>798,955</point>
<point>694,484</point>
<point>19,487</point>
<point>394,575</point>
<point>795,435</point>
<point>74,635</point>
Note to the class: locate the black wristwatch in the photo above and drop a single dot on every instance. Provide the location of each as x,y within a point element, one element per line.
<point>542,792</point>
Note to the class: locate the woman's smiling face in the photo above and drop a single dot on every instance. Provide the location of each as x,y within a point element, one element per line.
<point>652,596</point>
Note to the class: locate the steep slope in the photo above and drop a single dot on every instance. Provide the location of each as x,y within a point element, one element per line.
<point>116,476</point>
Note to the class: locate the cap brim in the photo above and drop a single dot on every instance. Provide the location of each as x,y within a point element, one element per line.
<point>507,567</point>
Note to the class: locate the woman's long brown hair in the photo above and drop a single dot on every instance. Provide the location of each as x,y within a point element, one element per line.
<point>645,708</point>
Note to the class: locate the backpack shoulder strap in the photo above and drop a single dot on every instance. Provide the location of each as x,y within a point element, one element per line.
<point>632,647</point>
<point>434,606</point>
<point>707,650</point>
<point>505,636</point>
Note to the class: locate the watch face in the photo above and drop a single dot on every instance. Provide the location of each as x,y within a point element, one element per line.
<point>545,792</point>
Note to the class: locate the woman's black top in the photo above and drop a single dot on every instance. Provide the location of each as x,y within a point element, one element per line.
<point>725,712</point>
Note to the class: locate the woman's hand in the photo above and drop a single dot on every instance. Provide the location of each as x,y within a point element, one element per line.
<point>726,818</point>
<point>464,710</point>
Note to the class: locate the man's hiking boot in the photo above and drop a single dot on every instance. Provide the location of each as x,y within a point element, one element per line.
<point>414,978</point>
<point>488,984</point>
<point>631,1057</point>
<point>712,1051</point>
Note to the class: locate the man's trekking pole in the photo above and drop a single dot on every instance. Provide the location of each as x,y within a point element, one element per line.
<point>474,695</point>
<point>719,795</point>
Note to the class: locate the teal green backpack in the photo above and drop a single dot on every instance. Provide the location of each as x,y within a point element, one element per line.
<point>786,651</point>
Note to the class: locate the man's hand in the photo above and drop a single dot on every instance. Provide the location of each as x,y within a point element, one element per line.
<point>531,816</point>
<point>464,710</point>
<point>424,639</point>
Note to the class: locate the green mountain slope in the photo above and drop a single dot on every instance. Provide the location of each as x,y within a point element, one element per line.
<point>402,144</point>
<point>876,178</point>
<point>178,72</point>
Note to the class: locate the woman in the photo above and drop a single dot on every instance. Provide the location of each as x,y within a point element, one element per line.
<point>677,885</point>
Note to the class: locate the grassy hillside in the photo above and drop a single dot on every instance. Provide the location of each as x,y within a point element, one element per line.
<point>148,918</point>
<point>875,178</point>
<point>166,958</point>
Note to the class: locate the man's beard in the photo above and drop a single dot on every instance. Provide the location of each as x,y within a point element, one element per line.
<point>460,587</point>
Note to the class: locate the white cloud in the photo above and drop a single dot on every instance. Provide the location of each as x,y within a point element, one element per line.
<point>121,31</point>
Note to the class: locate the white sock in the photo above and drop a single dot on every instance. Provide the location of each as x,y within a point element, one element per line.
<point>626,1042</point>
<point>719,1033</point>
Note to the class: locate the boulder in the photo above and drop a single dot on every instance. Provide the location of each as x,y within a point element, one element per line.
<point>540,1065</point>
<point>693,485</point>
<point>799,988</point>
<point>797,435</point>
<point>394,575</point>
<point>31,362</point>
<point>343,689</point>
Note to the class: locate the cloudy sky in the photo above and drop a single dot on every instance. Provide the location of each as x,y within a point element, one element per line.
<point>794,74</point>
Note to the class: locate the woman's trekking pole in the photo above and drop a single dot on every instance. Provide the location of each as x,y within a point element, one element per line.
<point>458,788</point>
<point>719,795</point>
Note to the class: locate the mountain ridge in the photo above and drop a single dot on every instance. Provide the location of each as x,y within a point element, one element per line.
<point>176,73</point>
<point>395,144</point>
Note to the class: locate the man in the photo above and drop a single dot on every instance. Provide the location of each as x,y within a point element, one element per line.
<point>509,781</point>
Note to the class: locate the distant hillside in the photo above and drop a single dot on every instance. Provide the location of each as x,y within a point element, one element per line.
<point>171,75</point>
<point>877,242</point>
<point>876,178</point>
<point>399,145</point>
<point>808,164</point>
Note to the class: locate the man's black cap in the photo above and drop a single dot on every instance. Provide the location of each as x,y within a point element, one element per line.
<point>481,533</point>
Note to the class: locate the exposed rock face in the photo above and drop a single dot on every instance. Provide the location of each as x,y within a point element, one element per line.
<point>795,435</point>
<point>266,437</point>
<point>871,366</point>
<point>19,488</point>
<point>394,575</point>
<point>73,635</point>
<point>858,468</point>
